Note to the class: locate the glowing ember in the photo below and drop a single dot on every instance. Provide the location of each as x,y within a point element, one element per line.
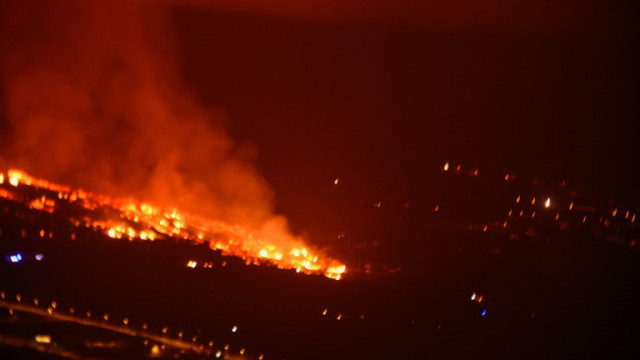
<point>140,221</point>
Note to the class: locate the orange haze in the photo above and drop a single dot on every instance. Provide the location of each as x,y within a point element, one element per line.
<point>94,99</point>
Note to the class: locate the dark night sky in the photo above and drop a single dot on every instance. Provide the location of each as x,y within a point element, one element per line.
<point>383,102</point>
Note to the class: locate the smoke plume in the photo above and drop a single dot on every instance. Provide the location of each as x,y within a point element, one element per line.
<point>92,97</point>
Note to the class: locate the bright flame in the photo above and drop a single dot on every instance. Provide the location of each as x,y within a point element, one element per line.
<point>138,220</point>
<point>14,179</point>
<point>43,339</point>
<point>335,272</point>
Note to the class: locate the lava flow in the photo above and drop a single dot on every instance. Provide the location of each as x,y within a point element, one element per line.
<point>135,220</point>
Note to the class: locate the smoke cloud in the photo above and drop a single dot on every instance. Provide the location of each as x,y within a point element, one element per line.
<point>93,98</point>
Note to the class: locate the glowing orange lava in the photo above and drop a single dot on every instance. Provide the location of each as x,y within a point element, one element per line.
<point>137,220</point>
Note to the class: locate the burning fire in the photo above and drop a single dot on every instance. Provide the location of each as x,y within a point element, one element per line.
<point>135,220</point>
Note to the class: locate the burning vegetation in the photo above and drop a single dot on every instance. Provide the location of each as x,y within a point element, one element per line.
<point>94,98</point>
<point>135,220</point>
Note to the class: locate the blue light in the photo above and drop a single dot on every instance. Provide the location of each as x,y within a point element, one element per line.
<point>15,258</point>
<point>484,312</point>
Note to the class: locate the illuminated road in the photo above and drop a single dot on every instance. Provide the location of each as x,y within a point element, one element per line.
<point>56,315</point>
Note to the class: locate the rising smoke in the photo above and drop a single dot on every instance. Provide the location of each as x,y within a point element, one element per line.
<point>93,98</point>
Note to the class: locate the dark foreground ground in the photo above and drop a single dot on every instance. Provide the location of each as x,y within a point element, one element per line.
<point>439,276</point>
